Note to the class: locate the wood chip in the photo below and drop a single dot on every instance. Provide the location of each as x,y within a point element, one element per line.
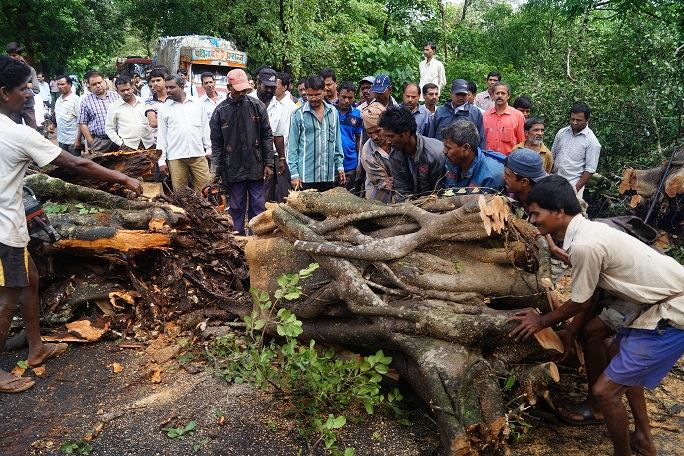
<point>85,330</point>
<point>39,371</point>
<point>117,368</point>
<point>156,375</point>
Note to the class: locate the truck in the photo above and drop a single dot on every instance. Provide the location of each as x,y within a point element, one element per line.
<point>198,54</point>
<point>127,66</point>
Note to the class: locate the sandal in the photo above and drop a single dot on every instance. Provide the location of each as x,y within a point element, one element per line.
<point>581,409</point>
<point>5,386</point>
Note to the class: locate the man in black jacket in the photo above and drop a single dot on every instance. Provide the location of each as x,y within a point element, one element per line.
<point>241,149</point>
<point>416,162</point>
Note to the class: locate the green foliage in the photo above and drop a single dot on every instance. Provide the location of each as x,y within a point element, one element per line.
<point>23,364</point>
<point>320,384</point>
<point>180,432</point>
<point>53,208</point>
<point>78,448</point>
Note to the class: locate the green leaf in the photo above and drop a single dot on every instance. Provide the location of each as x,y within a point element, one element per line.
<point>349,452</point>
<point>307,271</point>
<point>510,381</point>
<point>339,422</point>
<point>23,364</point>
<point>259,324</point>
<point>190,426</point>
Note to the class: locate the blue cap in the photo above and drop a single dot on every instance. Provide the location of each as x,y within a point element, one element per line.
<point>526,163</point>
<point>459,86</point>
<point>381,83</point>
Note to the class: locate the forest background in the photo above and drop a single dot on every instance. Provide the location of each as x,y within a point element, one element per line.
<point>622,57</point>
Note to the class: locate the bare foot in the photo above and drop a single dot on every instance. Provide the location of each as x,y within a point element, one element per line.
<point>46,352</point>
<point>641,445</point>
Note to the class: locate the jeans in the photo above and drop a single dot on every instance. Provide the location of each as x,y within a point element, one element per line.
<point>238,192</point>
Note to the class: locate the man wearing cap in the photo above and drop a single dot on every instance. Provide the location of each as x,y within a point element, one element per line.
<point>431,69</point>
<point>279,119</point>
<point>457,109</point>
<point>504,125</point>
<point>467,166</point>
<point>534,140</point>
<point>416,162</point>
<point>382,91</point>
<point>410,101</point>
<point>315,154</point>
<point>366,95</point>
<point>375,157</point>
<point>242,155</point>
<point>28,114</point>
<point>522,169</point>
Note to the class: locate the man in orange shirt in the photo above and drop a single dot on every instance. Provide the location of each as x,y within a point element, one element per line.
<point>504,126</point>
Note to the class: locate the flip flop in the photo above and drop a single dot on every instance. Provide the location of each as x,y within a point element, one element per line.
<point>55,350</point>
<point>4,386</point>
<point>581,409</point>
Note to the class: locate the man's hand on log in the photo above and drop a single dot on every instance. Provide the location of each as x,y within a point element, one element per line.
<point>268,173</point>
<point>530,323</point>
<point>134,185</point>
<point>164,169</point>
<point>296,184</point>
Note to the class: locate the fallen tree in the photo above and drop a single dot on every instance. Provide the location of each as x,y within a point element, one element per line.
<point>141,262</point>
<point>433,281</point>
<point>642,185</point>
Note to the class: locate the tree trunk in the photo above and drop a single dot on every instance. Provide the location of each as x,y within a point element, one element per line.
<point>433,281</point>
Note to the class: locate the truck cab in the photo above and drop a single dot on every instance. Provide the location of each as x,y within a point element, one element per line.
<point>198,54</point>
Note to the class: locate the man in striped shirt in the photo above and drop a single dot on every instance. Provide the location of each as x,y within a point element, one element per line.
<point>315,142</point>
<point>93,113</point>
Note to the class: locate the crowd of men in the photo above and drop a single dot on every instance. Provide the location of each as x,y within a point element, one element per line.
<point>258,141</point>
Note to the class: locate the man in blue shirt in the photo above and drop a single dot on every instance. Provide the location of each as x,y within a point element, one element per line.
<point>457,109</point>
<point>467,166</point>
<point>351,126</point>
<point>314,146</point>
<point>419,111</point>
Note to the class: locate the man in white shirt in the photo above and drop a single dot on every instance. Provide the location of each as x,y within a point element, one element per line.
<point>20,146</point>
<point>67,109</point>
<point>576,149</point>
<point>126,124</point>
<point>604,258</point>
<point>211,97</point>
<point>485,99</point>
<point>44,89</point>
<point>431,69</point>
<point>286,99</point>
<point>183,137</point>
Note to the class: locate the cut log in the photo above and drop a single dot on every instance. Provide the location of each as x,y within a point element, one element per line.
<point>121,241</point>
<point>429,282</point>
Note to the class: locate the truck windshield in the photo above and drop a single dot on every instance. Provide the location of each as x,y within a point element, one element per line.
<point>220,73</point>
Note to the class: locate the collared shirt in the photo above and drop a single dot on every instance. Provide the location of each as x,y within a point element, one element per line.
<point>67,110</point>
<point>422,115</point>
<point>485,172</point>
<point>45,92</point>
<point>278,117</point>
<point>432,71</point>
<point>604,257</point>
<point>503,131</point>
<point>575,153</point>
<point>20,145</point>
<point>209,104</point>
<point>290,107</point>
<point>544,153</point>
<point>447,114</point>
<point>351,126</point>
<point>484,101</point>
<point>376,163</point>
<point>183,130</point>
<point>421,174</point>
<point>127,124</point>
<point>152,104</point>
<point>314,146</point>
<point>94,111</point>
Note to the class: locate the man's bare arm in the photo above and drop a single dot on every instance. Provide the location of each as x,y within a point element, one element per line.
<point>91,169</point>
